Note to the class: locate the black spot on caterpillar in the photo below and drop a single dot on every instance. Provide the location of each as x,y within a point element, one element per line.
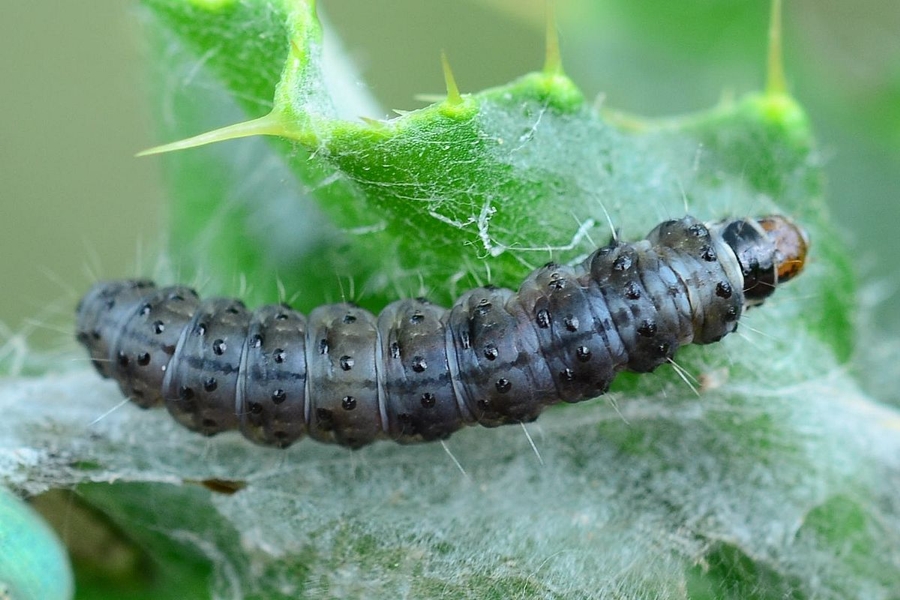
<point>418,372</point>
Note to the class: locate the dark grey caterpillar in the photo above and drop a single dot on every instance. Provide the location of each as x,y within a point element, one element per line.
<point>418,372</point>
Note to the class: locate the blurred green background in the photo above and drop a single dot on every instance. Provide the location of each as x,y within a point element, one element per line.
<point>76,204</point>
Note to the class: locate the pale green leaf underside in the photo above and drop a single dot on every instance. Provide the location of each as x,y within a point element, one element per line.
<point>779,480</point>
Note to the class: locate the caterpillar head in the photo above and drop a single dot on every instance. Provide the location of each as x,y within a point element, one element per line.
<point>771,250</point>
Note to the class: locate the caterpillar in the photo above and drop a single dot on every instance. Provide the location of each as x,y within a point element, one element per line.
<point>418,372</point>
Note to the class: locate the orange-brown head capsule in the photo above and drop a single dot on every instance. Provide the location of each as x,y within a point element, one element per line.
<point>770,250</point>
<point>791,245</point>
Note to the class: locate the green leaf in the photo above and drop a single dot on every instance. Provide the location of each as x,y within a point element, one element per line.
<point>780,479</point>
<point>33,563</point>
